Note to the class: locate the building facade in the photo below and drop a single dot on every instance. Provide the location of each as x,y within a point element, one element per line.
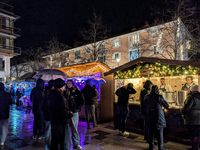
<point>7,35</point>
<point>167,40</point>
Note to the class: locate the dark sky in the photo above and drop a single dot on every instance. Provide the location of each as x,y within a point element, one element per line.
<point>42,19</point>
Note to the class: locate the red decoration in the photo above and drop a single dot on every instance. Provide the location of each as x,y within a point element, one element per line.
<point>154,65</point>
<point>176,69</point>
<point>182,84</point>
<point>139,66</point>
<point>143,82</point>
<point>175,86</point>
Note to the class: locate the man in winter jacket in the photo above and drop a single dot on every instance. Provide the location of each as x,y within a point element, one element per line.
<point>46,113</point>
<point>123,106</point>
<point>5,102</point>
<point>76,102</point>
<point>37,99</point>
<point>189,84</point>
<point>191,115</point>
<point>155,116</point>
<point>59,114</point>
<point>89,93</point>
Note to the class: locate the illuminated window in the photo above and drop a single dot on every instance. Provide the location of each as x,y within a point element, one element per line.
<point>134,54</point>
<point>116,56</point>
<point>116,43</point>
<point>77,54</point>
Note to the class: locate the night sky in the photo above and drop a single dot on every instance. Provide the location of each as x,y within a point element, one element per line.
<point>42,19</point>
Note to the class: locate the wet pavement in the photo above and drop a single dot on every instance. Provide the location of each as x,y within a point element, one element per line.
<point>104,137</point>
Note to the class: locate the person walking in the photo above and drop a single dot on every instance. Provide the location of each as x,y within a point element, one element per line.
<point>191,115</point>
<point>46,113</point>
<point>95,101</point>
<point>144,91</point>
<point>89,93</point>
<point>155,116</point>
<point>123,106</point>
<point>76,102</point>
<point>59,114</point>
<point>37,99</point>
<point>5,102</point>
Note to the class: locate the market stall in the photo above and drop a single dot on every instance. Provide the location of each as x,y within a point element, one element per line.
<point>94,71</point>
<point>142,69</point>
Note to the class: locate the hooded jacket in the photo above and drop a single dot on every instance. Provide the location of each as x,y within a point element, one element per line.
<point>154,112</point>
<point>37,97</point>
<point>123,95</point>
<point>88,93</point>
<point>143,93</point>
<point>74,98</point>
<point>5,102</point>
<point>191,109</point>
<point>58,108</point>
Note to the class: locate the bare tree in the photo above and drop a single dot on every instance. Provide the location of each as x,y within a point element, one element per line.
<point>17,69</point>
<point>94,39</point>
<point>34,59</point>
<point>176,39</point>
<point>58,57</point>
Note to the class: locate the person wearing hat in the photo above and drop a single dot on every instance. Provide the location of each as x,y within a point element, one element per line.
<point>123,106</point>
<point>59,114</point>
<point>191,115</point>
<point>5,102</point>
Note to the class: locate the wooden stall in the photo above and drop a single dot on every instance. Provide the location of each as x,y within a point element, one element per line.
<point>80,73</point>
<point>142,69</point>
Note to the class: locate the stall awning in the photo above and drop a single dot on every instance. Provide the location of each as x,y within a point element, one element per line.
<point>153,60</point>
<point>85,69</point>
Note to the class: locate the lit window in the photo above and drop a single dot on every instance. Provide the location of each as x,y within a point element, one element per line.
<point>77,54</point>
<point>67,54</point>
<point>116,43</point>
<point>134,54</point>
<point>154,50</point>
<point>116,56</point>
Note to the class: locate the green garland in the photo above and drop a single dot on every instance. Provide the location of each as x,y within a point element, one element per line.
<point>155,70</point>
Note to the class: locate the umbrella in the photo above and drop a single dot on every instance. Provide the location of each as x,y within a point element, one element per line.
<point>96,80</point>
<point>48,74</point>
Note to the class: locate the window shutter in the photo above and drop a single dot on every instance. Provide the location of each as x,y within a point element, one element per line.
<point>113,56</point>
<point>119,56</point>
<point>151,50</point>
<point>113,43</point>
<point>160,50</point>
<point>120,42</point>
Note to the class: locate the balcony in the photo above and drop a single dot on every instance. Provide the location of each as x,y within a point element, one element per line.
<point>10,50</point>
<point>7,10</point>
<point>10,30</point>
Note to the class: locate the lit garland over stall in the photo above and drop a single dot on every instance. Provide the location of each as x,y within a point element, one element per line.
<point>155,70</point>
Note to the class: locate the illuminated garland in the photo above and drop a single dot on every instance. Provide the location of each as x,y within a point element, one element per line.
<point>87,71</point>
<point>156,70</point>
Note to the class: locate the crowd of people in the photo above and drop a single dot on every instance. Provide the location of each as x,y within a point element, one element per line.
<point>58,105</point>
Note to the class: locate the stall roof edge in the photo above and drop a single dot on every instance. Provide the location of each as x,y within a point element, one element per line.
<point>153,60</point>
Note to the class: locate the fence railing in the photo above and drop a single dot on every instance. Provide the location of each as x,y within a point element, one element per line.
<point>10,30</point>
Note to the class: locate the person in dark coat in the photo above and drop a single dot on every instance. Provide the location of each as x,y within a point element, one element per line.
<point>95,100</point>
<point>191,115</point>
<point>155,116</point>
<point>123,106</point>
<point>89,93</point>
<point>46,113</point>
<point>189,84</point>
<point>76,101</point>
<point>145,90</point>
<point>5,102</point>
<point>60,114</point>
<point>37,99</point>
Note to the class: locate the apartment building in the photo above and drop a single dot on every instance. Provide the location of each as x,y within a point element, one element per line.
<point>8,33</point>
<point>169,40</point>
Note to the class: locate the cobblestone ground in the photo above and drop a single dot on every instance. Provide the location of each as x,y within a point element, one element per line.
<point>105,137</point>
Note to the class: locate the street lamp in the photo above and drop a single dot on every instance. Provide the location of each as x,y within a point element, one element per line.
<point>118,60</point>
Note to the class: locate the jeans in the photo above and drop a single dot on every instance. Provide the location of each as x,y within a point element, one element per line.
<point>122,112</point>
<point>75,135</point>
<point>58,135</point>
<point>159,138</point>
<point>47,135</point>
<point>3,129</point>
<point>38,124</point>
<point>92,110</point>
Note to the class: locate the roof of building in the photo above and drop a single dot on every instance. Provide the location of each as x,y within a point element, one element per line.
<point>153,60</point>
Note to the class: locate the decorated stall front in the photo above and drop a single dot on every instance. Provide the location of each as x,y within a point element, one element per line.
<point>174,72</point>
<point>94,72</point>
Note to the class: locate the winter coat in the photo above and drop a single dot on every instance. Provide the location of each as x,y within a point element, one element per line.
<point>75,99</point>
<point>59,108</point>
<point>45,104</point>
<point>37,97</point>
<point>186,88</point>
<point>95,99</point>
<point>88,93</point>
<point>123,95</point>
<point>154,112</point>
<point>191,109</point>
<point>143,93</point>
<point>5,102</point>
